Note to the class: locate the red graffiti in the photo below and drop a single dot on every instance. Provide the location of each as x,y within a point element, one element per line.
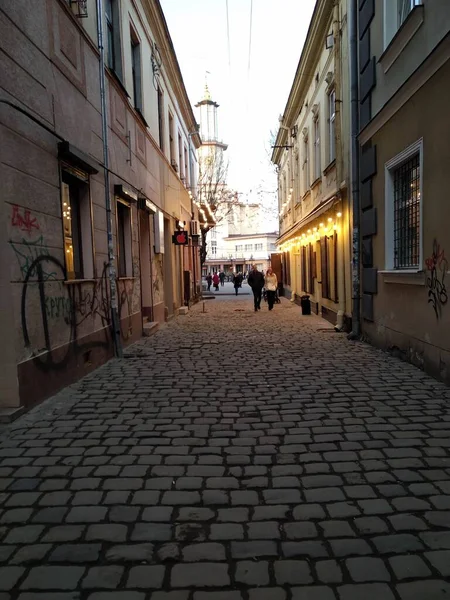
<point>437,259</point>
<point>23,221</point>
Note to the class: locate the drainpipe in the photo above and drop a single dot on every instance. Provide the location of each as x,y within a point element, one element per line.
<point>354,160</point>
<point>115,323</point>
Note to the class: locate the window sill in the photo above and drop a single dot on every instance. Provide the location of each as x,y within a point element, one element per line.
<point>117,79</point>
<point>316,182</point>
<point>330,167</point>
<point>411,277</point>
<point>306,195</point>
<point>141,116</point>
<point>77,281</point>
<point>402,38</point>
<point>126,278</point>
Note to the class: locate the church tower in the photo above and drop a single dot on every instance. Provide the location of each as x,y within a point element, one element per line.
<point>212,148</point>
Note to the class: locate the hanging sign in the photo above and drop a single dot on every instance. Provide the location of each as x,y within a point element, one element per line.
<point>180,238</point>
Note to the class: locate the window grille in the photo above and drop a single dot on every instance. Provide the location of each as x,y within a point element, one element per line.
<point>407,214</point>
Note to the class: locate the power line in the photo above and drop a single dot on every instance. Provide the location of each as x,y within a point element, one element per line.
<point>250,40</point>
<point>228,38</point>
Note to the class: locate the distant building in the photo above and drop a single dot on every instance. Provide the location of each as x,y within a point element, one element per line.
<point>239,252</point>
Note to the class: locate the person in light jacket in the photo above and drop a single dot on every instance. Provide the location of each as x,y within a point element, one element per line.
<point>271,285</point>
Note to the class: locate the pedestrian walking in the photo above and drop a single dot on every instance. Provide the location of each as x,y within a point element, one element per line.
<point>237,281</point>
<point>271,285</point>
<point>222,278</point>
<point>216,281</point>
<point>209,281</point>
<point>256,281</point>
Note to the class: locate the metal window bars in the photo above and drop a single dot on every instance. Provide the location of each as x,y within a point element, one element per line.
<point>80,8</point>
<point>406,179</point>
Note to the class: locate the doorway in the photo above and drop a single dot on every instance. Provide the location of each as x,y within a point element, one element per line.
<point>145,267</point>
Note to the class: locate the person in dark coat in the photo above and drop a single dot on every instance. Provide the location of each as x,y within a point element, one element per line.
<point>256,282</point>
<point>237,281</point>
<point>209,280</point>
<point>222,278</point>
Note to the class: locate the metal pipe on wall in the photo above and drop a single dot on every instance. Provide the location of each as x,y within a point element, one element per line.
<point>354,160</point>
<point>115,321</point>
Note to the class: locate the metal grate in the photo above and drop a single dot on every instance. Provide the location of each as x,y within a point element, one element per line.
<point>407,214</point>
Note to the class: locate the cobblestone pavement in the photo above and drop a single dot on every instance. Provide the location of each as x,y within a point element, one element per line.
<point>233,456</point>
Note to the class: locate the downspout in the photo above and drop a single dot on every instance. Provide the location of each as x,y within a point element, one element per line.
<point>354,160</point>
<point>115,324</point>
<point>339,155</point>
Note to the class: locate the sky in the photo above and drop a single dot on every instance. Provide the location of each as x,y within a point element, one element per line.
<point>249,74</point>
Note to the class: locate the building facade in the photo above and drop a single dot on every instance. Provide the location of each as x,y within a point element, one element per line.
<point>94,187</point>
<point>238,252</point>
<point>312,157</point>
<point>404,52</point>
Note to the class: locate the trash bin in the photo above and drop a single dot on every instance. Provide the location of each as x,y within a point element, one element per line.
<point>306,305</point>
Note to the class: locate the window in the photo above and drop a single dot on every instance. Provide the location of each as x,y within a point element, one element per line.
<point>239,248</point>
<point>248,247</point>
<point>404,210</point>
<point>317,167</point>
<point>180,156</point>
<point>258,247</point>
<point>404,7</point>
<point>76,215</point>
<point>186,167</point>
<point>213,234</point>
<point>113,54</point>
<point>124,239</point>
<point>272,247</point>
<point>161,118</point>
<point>395,14</point>
<point>214,248</point>
<point>136,70</point>
<point>332,126</point>
<point>306,164</point>
<point>171,140</point>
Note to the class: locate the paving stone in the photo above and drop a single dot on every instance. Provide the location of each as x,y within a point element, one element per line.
<point>267,594</point>
<point>310,549</point>
<point>252,573</point>
<point>28,534</point>
<point>64,533</point>
<point>366,591</point>
<point>267,513</point>
<point>428,589</point>
<point>30,553</point>
<point>329,571</point>
<point>229,595</point>
<point>291,572</point>
<point>130,552</point>
<point>86,514</point>
<point>209,551</point>
<point>151,532</point>
<point>397,544</point>
<point>306,512</point>
<point>263,530</point>
<point>146,577</point>
<point>410,566</point>
<point>185,513</point>
<point>126,514</point>
<point>107,533</point>
<point>347,547</point>
<point>253,549</point>
<point>313,593</point>
<point>127,595</point>
<point>75,553</point>
<point>53,578</point>
<point>103,577</point>
<point>367,569</point>
<point>226,531</point>
<point>199,575</point>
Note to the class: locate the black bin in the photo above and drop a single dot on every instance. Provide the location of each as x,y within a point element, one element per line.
<point>306,305</point>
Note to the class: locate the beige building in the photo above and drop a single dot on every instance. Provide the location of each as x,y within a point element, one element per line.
<point>87,257</point>
<point>312,156</point>
<point>404,50</point>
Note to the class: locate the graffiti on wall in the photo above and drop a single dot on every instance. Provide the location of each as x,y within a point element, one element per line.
<point>23,220</point>
<point>56,315</point>
<point>437,267</point>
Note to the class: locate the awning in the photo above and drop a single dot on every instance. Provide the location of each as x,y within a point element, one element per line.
<point>319,210</point>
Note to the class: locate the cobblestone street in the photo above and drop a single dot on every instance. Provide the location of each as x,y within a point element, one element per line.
<point>234,455</point>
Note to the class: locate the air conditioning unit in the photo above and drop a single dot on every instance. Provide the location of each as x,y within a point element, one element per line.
<point>174,165</point>
<point>195,228</point>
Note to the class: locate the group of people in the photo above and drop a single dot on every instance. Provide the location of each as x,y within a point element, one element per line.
<point>256,280</point>
<point>215,279</point>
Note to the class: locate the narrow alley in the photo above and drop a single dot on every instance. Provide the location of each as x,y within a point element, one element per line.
<point>234,455</point>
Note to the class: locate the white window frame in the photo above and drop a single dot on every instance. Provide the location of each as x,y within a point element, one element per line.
<point>389,168</point>
<point>331,126</point>
<point>317,157</point>
<point>306,173</point>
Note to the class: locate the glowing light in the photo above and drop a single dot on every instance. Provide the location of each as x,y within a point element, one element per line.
<point>321,225</point>
<point>329,219</point>
<point>309,231</point>
<point>339,214</point>
<point>315,229</point>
